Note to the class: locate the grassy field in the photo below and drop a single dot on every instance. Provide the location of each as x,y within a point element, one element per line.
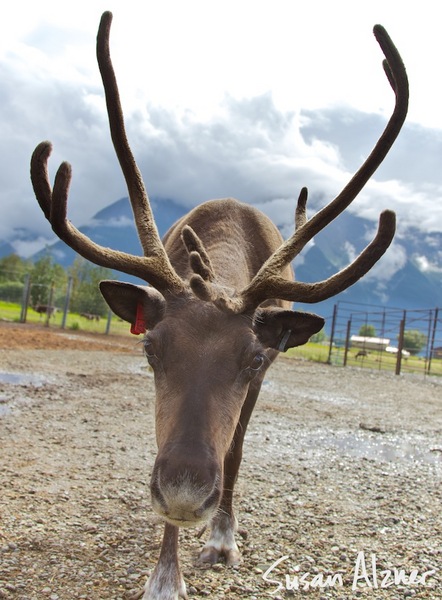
<point>375,360</point>
<point>11,312</point>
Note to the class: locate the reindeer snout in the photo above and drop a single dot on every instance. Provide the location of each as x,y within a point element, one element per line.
<point>185,492</point>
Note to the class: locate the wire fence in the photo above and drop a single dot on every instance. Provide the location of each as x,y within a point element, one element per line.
<point>23,300</point>
<point>386,338</point>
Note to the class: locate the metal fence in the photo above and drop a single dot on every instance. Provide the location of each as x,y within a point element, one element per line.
<point>27,301</point>
<point>388,344</point>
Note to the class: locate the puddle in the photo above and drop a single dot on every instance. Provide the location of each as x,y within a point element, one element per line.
<point>278,390</point>
<point>9,402</point>
<point>382,450</point>
<point>281,441</point>
<point>382,447</point>
<point>22,379</point>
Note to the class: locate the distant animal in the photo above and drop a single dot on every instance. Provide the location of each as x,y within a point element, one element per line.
<point>216,314</point>
<point>45,309</point>
<point>90,316</point>
<point>361,354</point>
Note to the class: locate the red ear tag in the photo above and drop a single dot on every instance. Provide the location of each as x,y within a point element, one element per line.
<point>140,325</point>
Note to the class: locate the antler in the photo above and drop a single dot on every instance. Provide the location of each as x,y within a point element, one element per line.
<point>268,283</point>
<point>154,266</point>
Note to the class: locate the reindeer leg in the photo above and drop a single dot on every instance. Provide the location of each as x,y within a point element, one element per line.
<point>166,581</point>
<point>221,544</point>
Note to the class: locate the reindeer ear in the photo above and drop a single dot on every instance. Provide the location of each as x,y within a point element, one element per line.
<point>141,306</point>
<point>283,329</point>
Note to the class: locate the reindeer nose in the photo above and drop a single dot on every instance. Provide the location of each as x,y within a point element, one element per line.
<point>185,494</point>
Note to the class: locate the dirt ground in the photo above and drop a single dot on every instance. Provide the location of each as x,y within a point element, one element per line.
<point>341,478</point>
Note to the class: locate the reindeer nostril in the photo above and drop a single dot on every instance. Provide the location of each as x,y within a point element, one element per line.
<point>157,494</point>
<point>210,502</point>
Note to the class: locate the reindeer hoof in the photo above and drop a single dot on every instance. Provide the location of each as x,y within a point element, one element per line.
<point>212,555</point>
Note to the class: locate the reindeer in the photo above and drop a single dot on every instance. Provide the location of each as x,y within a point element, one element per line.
<point>90,316</point>
<point>45,309</point>
<point>216,314</point>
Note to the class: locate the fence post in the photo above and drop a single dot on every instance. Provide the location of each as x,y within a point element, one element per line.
<point>108,323</point>
<point>332,333</point>
<point>433,339</point>
<point>25,298</point>
<point>347,341</point>
<point>66,302</point>
<point>50,301</point>
<point>400,344</point>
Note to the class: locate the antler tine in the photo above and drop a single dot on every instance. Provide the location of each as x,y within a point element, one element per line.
<point>54,204</point>
<point>199,259</point>
<point>155,266</point>
<point>40,177</point>
<point>301,209</point>
<point>147,231</point>
<point>258,289</point>
<point>203,281</point>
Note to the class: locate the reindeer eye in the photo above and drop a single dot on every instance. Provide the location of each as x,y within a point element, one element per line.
<point>257,362</point>
<point>149,350</point>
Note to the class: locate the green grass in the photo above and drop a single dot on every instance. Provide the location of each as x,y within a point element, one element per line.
<point>379,361</point>
<point>383,361</point>
<point>11,312</point>
<point>310,351</point>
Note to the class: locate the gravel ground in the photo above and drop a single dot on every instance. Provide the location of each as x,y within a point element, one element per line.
<point>341,466</point>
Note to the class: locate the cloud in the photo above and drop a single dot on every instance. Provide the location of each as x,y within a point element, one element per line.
<point>249,149</point>
<point>425,265</point>
<point>27,248</point>
<point>409,181</point>
<point>116,222</point>
<point>38,108</point>
<point>256,153</point>
<point>392,261</point>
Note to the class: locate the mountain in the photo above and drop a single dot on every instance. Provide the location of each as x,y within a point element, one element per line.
<point>113,227</point>
<point>409,276</point>
<point>6,249</point>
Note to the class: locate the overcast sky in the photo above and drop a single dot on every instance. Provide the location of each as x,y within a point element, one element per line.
<point>251,99</point>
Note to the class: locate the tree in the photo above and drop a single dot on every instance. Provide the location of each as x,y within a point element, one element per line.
<point>86,296</point>
<point>414,341</point>
<point>13,268</point>
<point>45,273</point>
<point>367,331</point>
<point>319,337</point>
